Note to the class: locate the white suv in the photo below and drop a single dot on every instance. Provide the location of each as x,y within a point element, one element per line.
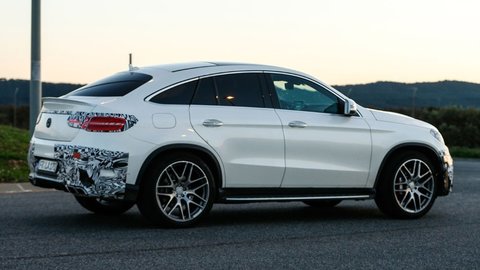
<point>174,139</point>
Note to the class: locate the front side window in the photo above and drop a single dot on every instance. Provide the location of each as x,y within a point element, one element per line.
<point>295,93</point>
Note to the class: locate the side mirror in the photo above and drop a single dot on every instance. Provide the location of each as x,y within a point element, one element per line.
<point>350,107</point>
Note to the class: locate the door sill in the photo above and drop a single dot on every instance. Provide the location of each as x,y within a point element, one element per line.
<point>233,195</point>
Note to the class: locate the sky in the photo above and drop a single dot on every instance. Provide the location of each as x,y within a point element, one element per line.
<point>337,41</point>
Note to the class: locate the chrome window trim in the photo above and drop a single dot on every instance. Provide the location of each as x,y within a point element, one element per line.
<point>327,88</point>
<point>166,88</point>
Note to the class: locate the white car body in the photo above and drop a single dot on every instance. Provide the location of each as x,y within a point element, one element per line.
<point>252,147</point>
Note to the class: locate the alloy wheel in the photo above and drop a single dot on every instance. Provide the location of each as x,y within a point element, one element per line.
<point>413,185</point>
<point>182,191</point>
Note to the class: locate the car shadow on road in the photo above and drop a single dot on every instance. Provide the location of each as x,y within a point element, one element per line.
<point>88,221</point>
<point>220,216</point>
<point>288,214</point>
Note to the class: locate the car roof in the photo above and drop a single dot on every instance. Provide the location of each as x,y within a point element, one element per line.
<point>178,67</point>
<point>183,71</point>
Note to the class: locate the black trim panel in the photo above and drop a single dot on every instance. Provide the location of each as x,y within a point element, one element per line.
<point>39,182</point>
<point>286,194</point>
<point>131,192</point>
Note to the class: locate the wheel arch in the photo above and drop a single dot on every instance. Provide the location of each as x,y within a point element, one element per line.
<point>203,153</point>
<point>425,149</point>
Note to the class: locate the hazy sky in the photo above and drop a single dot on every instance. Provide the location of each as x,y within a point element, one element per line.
<point>338,41</point>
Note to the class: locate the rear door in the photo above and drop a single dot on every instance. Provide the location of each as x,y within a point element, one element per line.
<point>233,115</point>
<point>324,148</point>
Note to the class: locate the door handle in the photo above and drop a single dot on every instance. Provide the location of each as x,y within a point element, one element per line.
<point>212,123</point>
<point>297,124</point>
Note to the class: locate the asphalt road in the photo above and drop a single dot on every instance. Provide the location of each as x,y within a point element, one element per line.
<point>46,230</point>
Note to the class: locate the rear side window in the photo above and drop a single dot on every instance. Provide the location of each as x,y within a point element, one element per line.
<point>230,90</point>
<point>206,93</point>
<point>180,94</point>
<point>116,85</point>
<point>240,90</point>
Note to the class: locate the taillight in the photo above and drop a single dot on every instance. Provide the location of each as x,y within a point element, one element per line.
<point>103,124</point>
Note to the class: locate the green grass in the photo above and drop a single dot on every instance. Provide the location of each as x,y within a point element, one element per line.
<point>465,152</point>
<point>13,154</point>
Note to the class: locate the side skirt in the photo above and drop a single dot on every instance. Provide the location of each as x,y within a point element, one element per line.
<point>238,195</point>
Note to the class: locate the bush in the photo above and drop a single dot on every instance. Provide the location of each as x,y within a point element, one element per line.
<point>459,127</point>
<point>8,117</point>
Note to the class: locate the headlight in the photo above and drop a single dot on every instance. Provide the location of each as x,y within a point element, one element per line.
<point>437,135</point>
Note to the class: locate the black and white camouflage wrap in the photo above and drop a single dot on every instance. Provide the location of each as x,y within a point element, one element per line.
<point>76,119</point>
<point>92,171</point>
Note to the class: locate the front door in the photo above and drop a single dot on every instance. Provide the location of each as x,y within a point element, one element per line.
<point>324,148</point>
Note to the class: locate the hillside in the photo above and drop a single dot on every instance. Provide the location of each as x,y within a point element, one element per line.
<point>391,95</point>
<point>7,90</point>
<point>382,95</point>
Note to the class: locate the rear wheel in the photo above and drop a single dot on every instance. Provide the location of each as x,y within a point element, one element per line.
<point>407,187</point>
<point>105,207</point>
<point>322,203</point>
<point>177,192</point>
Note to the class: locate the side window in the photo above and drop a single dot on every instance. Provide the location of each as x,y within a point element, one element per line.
<point>180,94</point>
<point>206,93</point>
<point>239,90</point>
<point>230,90</point>
<point>302,95</point>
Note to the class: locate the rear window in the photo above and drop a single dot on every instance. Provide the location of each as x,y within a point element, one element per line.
<point>116,85</point>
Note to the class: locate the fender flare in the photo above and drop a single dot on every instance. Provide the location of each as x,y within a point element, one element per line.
<point>132,190</point>
<point>431,152</point>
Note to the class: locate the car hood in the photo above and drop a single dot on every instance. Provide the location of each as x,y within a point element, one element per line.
<point>398,118</point>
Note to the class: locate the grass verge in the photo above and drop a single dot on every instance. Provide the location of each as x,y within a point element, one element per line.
<point>13,154</point>
<point>464,152</point>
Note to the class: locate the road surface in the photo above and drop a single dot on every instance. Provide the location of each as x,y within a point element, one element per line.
<point>45,230</point>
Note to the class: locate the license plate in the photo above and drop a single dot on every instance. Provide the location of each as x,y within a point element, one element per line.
<point>47,165</point>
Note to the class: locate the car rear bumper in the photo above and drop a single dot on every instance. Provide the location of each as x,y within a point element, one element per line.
<point>81,170</point>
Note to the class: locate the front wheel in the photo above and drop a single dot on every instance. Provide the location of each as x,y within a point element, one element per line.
<point>177,192</point>
<point>407,186</point>
<point>104,207</point>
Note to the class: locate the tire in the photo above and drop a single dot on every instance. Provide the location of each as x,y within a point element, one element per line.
<point>177,192</point>
<point>104,207</point>
<point>322,203</point>
<point>407,187</point>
